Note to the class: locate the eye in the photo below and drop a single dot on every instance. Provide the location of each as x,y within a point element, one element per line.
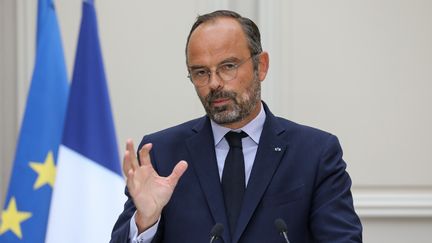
<point>199,72</point>
<point>228,66</point>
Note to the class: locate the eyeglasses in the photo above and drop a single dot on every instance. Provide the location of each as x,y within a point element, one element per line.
<point>226,71</point>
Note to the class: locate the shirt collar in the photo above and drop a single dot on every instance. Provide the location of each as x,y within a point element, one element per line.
<point>253,128</point>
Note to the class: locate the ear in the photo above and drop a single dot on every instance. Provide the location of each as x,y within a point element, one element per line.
<point>263,65</point>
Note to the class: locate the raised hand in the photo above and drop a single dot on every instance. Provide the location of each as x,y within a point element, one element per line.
<point>150,192</point>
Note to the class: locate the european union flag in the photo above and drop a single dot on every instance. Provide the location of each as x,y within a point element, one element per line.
<point>25,214</point>
<point>88,193</point>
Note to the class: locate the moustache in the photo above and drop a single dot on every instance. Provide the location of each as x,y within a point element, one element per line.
<point>213,95</point>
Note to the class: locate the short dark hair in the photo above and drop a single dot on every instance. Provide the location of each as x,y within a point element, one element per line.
<point>250,29</point>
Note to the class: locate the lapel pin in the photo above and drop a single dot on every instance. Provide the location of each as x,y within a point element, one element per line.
<point>277,149</point>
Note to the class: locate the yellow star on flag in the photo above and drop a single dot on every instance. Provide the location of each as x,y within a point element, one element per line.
<point>46,171</point>
<point>11,219</point>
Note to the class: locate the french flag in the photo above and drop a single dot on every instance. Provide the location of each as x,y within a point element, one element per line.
<point>88,192</point>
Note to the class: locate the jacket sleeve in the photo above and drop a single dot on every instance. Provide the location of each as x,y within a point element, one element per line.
<point>333,218</point>
<point>120,232</point>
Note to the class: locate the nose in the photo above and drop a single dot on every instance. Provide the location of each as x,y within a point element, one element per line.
<point>215,82</point>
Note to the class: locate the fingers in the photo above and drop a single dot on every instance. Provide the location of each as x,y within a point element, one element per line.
<point>130,149</point>
<point>177,172</point>
<point>126,163</point>
<point>144,155</point>
<point>130,163</point>
<point>130,180</point>
<point>129,160</point>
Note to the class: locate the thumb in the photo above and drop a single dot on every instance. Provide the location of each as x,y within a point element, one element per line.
<point>177,172</point>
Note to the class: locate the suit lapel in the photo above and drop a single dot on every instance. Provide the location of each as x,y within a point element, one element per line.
<point>203,160</point>
<point>269,154</point>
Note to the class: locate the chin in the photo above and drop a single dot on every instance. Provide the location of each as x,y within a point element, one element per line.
<point>225,117</point>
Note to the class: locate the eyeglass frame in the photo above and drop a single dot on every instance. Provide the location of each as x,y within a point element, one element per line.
<point>209,72</point>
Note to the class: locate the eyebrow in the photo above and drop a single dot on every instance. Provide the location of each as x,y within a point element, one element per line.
<point>229,59</point>
<point>197,67</point>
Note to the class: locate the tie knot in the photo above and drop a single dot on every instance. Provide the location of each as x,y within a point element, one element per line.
<point>234,139</point>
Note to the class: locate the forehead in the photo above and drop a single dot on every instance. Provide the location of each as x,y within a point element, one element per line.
<point>216,40</point>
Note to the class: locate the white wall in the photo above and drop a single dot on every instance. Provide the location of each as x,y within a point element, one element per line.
<point>363,70</point>
<point>8,91</point>
<point>359,69</point>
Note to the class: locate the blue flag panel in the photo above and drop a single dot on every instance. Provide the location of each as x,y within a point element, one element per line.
<point>88,173</point>
<point>25,213</point>
<point>89,128</point>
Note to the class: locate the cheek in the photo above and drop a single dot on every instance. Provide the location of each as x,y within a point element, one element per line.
<point>245,95</point>
<point>242,87</point>
<point>202,92</point>
<point>244,82</point>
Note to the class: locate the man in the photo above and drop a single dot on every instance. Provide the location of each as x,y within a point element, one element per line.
<point>269,168</point>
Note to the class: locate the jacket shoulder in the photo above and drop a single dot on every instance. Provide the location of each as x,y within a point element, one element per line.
<point>299,133</point>
<point>292,126</point>
<point>178,132</point>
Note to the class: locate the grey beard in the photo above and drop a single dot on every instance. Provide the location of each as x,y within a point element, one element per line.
<point>238,110</point>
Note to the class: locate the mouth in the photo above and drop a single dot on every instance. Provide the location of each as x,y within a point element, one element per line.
<point>220,101</point>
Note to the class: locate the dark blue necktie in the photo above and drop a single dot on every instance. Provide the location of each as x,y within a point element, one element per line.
<point>233,178</point>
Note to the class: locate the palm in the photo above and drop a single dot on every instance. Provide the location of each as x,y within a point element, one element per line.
<point>150,192</point>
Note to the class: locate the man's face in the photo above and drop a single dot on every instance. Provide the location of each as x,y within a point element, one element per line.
<point>235,102</point>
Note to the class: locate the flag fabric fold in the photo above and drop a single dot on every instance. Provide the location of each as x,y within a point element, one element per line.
<point>88,193</point>
<point>25,213</point>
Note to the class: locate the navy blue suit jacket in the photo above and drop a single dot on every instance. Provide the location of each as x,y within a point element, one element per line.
<point>298,175</point>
